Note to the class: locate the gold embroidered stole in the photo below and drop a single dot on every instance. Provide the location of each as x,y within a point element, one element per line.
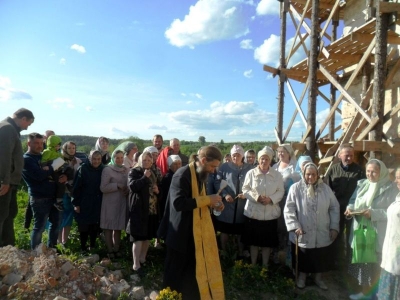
<point>208,267</point>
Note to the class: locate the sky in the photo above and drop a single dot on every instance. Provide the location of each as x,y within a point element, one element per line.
<point>114,68</point>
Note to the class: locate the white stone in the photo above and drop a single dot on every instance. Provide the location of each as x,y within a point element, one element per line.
<point>153,295</point>
<point>137,292</point>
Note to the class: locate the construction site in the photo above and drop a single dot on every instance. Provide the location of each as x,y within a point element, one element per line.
<point>355,70</point>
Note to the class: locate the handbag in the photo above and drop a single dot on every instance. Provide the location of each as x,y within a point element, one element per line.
<point>364,241</point>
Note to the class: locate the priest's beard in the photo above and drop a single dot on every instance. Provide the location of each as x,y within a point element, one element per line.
<point>203,174</point>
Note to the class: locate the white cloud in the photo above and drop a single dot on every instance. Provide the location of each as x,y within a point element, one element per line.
<point>265,134</point>
<point>248,73</point>
<point>246,44</point>
<point>52,54</point>
<point>198,96</point>
<point>7,92</point>
<point>209,20</point>
<point>157,127</point>
<point>63,61</point>
<point>80,24</point>
<point>221,116</point>
<point>269,52</point>
<point>323,115</point>
<point>78,48</point>
<point>183,94</point>
<point>268,7</point>
<point>58,103</point>
<point>89,108</point>
<point>189,102</point>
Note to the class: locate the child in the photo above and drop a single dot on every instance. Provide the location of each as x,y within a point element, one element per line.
<point>48,156</point>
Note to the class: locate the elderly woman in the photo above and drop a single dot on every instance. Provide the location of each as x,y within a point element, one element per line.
<point>68,153</point>
<point>102,145</point>
<point>370,201</point>
<point>263,189</point>
<point>129,149</point>
<point>87,199</point>
<point>114,206</point>
<point>286,166</point>
<point>143,218</point>
<point>250,157</point>
<point>231,221</point>
<point>389,283</point>
<point>312,219</point>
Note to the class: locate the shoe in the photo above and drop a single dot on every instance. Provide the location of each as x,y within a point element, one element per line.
<point>140,272</point>
<point>321,284</point>
<point>358,296</point>
<point>59,206</point>
<point>301,283</point>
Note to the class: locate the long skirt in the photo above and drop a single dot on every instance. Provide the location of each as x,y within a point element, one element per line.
<point>152,226</point>
<point>260,233</point>
<point>389,286</point>
<point>312,260</point>
<point>366,274</point>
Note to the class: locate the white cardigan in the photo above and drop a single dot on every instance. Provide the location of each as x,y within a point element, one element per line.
<point>258,184</point>
<point>391,245</point>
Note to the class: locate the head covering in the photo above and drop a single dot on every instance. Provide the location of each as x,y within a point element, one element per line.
<point>162,159</point>
<point>245,156</point>
<point>173,158</point>
<point>311,187</point>
<point>368,190</point>
<point>112,162</point>
<point>301,160</point>
<point>98,146</point>
<point>126,147</point>
<point>288,148</point>
<point>150,149</point>
<point>140,160</point>
<point>266,151</point>
<point>65,153</point>
<point>237,149</point>
<point>53,141</point>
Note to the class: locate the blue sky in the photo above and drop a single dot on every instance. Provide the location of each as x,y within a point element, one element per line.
<point>182,69</point>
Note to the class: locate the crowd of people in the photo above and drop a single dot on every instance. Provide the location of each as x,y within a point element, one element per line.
<point>267,201</point>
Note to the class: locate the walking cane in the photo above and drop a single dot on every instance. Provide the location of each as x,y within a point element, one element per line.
<point>297,259</point>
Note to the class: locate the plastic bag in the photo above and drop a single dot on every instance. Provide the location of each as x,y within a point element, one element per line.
<point>364,241</point>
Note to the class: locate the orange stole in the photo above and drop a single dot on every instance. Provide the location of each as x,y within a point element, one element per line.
<point>208,268</point>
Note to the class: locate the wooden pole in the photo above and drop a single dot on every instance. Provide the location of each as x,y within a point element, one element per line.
<point>332,99</point>
<point>313,91</point>
<point>282,77</point>
<point>378,93</point>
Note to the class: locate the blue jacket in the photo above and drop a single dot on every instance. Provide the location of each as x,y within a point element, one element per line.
<point>39,182</point>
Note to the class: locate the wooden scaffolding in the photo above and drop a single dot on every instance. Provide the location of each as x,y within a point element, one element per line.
<point>347,65</point>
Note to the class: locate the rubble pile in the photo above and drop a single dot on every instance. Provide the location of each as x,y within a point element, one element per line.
<point>42,274</point>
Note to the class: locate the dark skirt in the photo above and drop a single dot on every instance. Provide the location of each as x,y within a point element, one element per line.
<point>152,227</point>
<point>389,286</point>
<point>228,228</point>
<point>366,274</point>
<point>260,233</point>
<point>312,260</point>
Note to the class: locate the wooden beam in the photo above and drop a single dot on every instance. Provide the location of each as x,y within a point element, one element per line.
<point>348,84</point>
<point>342,57</point>
<point>321,4</point>
<point>277,137</point>
<point>367,129</point>
<point>296,103</point>
<point>344,92</point>
<point>295,112</point>
<point>367,38</point>
<point>367,146</point>
<point>392,73</point>
<point>272,70</point>
<point>388,7</point>
<point>327,100</point>
<point>292,73</point>
<point>326,160</point>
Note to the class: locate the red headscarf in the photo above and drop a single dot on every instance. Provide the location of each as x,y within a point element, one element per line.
<point>162,160</point>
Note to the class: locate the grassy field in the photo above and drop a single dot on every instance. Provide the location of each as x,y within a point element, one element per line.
<point>241,280</point>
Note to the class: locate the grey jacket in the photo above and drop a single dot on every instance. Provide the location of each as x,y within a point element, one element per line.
<point>11,155</point>
<point>314,216</point>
